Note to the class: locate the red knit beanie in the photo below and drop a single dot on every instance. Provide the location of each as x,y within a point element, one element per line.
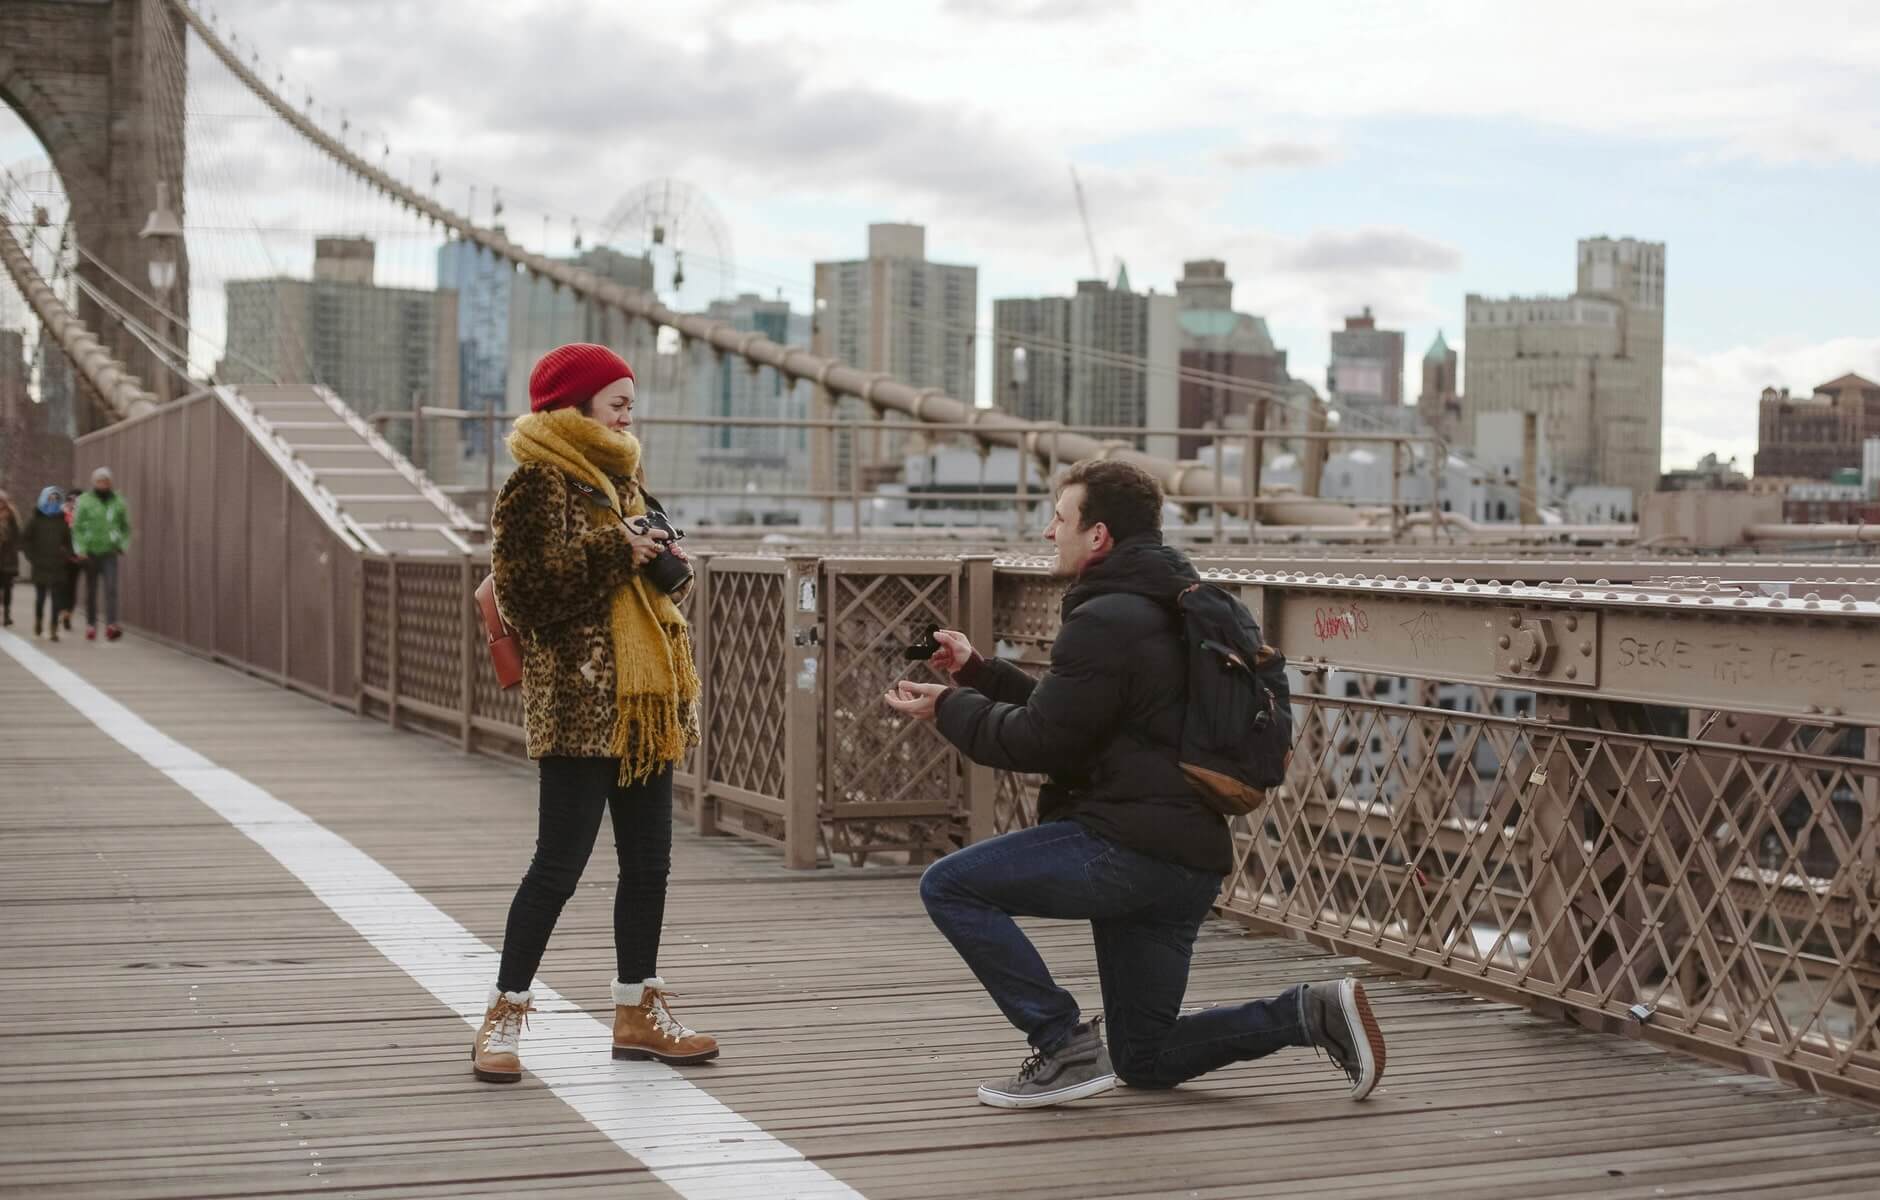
<point>569,376</point>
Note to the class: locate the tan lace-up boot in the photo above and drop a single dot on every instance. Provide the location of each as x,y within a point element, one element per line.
<point>496,1055</point>
<point>644,1026</point>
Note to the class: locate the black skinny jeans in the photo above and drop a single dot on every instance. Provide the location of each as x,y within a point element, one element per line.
<point>573,793</point>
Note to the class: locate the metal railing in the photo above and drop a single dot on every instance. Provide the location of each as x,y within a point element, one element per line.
<point>1651,805</point>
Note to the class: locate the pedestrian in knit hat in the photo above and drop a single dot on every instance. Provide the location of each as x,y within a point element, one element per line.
<point>569,376</point>
<point>609,697</point>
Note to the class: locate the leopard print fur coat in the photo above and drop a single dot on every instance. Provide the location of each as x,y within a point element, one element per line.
<point>558,556</point>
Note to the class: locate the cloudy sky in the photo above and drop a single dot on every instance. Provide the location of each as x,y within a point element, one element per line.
<point>1335,153</point>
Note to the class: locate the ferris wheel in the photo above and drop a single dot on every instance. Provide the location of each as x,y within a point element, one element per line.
<point>677,227</point>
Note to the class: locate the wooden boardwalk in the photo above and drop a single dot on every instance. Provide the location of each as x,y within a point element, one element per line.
<point>185,1018</point>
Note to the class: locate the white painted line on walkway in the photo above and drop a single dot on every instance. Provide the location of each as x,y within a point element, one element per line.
<point>697,1146</point>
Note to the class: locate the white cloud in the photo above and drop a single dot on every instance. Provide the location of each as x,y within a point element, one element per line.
<point>1711,399</point>
<point>1278,154</point>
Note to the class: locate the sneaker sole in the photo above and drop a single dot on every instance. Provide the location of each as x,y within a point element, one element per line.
<point>1081,1091</point>
<point>633,1054</point>
<point>1357,1008</point>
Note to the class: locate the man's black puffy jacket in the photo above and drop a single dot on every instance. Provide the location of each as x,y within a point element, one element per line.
<point>1105,722</point>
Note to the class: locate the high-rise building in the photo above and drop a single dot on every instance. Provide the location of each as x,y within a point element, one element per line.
<point>544,315</point>
<point>1105,356</point>
<point>1221,348</point>
<point>1130,379</point>
<point>1366,370</point>
<point>483,282</point>
<point>378,348</point>
<point>506,320</point>
<point>757,462</point>
<point>897,313</point>
<point>1439,403</point>
<point>1812,437</point>
<point>1031,375</point>
<point>1591,364</point>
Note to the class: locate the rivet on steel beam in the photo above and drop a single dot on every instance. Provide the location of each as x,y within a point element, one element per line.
<point>1573,672</point>
<point>1514,619</point>
<point>1572,623</point>
<point>1423,579</point>
<point>1812,596</point>
<point>1569,581</point>
<point>1447,581</point>
<point>1586,649</point>
<point>1576,594</point>
<point>1503,591</point>
<point>1602,583</point>
<point>1703,600</point>
<point>1502,641</point>
<point>1741,602</point>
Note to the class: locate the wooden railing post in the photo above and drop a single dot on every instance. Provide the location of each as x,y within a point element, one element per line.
<point>467,649</point>
<point>391,641</point>
<point>981,784</point>
<point>704,808</point>
<point>804,680</point>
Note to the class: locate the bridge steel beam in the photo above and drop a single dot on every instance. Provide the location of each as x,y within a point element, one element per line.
<point>122,392</point>
<point>1188,478</point>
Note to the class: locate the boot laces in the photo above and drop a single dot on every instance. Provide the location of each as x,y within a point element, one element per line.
<point>506,1022</point>
<point>663,1020</point>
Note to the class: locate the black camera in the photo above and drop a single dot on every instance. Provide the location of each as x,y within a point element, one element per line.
<point>666,571</point>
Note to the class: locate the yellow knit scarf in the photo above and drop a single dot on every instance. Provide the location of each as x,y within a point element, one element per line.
<point>656,684</point>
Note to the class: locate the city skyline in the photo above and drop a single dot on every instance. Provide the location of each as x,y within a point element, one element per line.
<point>1448,158</point>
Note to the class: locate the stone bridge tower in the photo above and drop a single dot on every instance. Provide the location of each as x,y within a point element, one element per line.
<point>101,83</point>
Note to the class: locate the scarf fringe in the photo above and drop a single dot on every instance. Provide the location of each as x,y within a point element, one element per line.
<point>654,729</point>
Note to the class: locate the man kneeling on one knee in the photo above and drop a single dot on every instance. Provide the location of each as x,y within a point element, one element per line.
<point>1122,842</point>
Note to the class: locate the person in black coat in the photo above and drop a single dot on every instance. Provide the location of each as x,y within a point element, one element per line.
<point>1123,841</point>
<point>49,554</point>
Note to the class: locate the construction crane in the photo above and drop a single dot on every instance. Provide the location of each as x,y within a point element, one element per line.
<point>1083,213</point>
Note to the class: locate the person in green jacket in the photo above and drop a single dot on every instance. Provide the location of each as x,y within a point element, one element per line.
<point>101,531</point>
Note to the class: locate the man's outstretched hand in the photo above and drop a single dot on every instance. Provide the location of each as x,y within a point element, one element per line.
<point>954,653</point>
<point>916,700</point>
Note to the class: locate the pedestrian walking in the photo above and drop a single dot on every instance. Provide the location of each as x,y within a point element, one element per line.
<point>49,554</point>
<point>11,540</point>
<point>609,694</point>
<point>101,533</point>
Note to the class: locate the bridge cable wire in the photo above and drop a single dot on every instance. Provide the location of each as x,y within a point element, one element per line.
<point>1192,480</point>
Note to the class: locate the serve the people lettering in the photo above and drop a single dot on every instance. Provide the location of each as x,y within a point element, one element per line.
<point>1736,662</point>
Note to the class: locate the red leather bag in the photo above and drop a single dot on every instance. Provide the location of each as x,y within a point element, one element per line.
<point>505,650</point>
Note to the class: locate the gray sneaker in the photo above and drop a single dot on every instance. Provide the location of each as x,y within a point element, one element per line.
<point>1078,1068</point>
<point>1340,1022</point>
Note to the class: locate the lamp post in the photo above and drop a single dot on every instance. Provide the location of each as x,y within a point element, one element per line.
<point>166,234</point>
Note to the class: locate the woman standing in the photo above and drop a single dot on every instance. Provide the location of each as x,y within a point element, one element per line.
<point>609,695</point>
<point>49,553</point>
<point>9,557</point>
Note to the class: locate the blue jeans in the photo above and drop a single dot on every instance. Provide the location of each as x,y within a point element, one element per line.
<point>1143,913</point>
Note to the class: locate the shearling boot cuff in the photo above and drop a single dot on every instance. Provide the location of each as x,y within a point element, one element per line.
<point>633,994</point>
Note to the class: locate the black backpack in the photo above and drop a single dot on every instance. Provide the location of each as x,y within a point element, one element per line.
<point>1237,730</point>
